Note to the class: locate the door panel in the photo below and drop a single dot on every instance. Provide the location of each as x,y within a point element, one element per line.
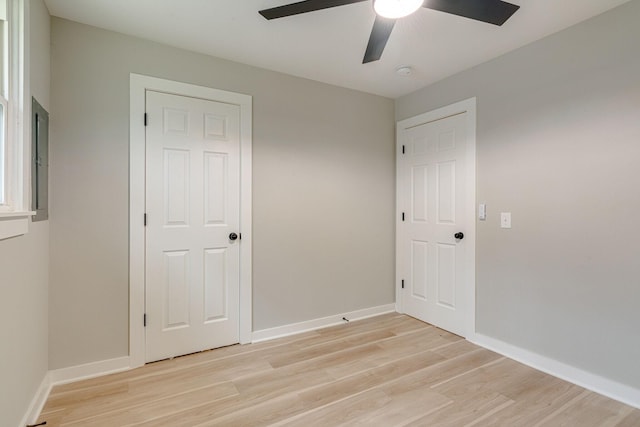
<point>176,284</point>
<point>420,269</point>
<point>446,187</point>
<point>193,204</point>
<point>215,188</point>
<point>419,199</point>
<point>176,187</point>
<point>432,188</point>
<point>215,284</point>
<point>446,277</point>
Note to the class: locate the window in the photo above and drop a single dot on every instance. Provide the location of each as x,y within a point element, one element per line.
<point>14,123</point>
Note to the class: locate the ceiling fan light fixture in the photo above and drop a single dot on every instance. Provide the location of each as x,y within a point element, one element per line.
<point>394,9</point>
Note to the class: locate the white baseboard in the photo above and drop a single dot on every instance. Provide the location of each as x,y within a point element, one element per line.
<point>89,370</point>
<point>311,325</point>
<point>38,401</point>
<point>69,375</point>
<point>613,389</point>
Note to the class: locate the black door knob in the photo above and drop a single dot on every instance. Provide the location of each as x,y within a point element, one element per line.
<point>459,235</point>
<point>233,236</point>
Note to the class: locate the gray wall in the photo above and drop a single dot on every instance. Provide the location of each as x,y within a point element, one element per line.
<point>558,143</point>
<point>24,270</point>
<point>323,189</point>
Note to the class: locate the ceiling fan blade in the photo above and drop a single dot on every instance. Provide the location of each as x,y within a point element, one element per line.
<point>491,11</point>
<point>303,7</point>
<point>380,33</point>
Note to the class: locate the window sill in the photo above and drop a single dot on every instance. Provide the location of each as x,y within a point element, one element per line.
<point>14,224</point>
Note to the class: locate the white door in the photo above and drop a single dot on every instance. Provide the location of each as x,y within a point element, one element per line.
<point>193,207</point>
<point>432,197</point>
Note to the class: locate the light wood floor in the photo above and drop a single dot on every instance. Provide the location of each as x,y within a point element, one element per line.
<point>390,370</point>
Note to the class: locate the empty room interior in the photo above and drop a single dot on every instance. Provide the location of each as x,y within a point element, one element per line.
<point>263,212</point>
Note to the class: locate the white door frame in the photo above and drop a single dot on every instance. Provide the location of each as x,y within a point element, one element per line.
<point>139,84</point>
<point>467,106</point>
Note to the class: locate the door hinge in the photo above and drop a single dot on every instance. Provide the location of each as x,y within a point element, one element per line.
<point>144,320</point>
<point>145,220</point>
<point>402,216</point>
<point>402,283</point>
<point>146,121</point>
<point>403,149</point>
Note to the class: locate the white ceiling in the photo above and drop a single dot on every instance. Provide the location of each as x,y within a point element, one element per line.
<point>328,45</point>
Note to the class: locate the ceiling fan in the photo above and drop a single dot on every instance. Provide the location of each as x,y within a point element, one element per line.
<point>387,11</point>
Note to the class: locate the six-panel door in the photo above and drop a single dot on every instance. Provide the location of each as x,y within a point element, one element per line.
<point>432,195</point>
<point>192,205</point>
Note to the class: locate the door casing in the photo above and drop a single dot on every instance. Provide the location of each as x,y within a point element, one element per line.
<point>139,84</point>
<point>467,106</point>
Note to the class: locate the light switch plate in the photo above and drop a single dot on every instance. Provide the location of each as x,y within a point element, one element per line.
<point>482,212</point>
<point>505,219</point>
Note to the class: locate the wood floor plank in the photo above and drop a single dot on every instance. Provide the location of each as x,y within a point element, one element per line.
<point>311,352</point>
<point>589,410</point>
<point>148,389</point>
<point>348,360</point>
<point>502,376</point>
<point>463,411</point>
<point>141,411</point>
<point>536,401</point>
<point>259,415</point>
<point>390,370</point>
<point>372,407</point>
<point>345,387</point>
<point>415,402</point>
<point>430,375</point>
<point>455,349</point>
<point>343,411</point>
<point>631,420</point>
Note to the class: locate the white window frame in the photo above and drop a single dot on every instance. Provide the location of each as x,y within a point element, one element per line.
<point>14,212</point>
